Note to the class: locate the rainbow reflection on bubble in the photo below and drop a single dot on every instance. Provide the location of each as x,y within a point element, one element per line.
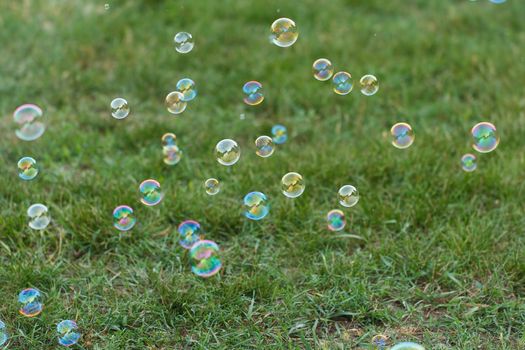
<point>28,117</point>
<point>407,346</point>
<point>169,139</point>
<point>186,86</point>
<point>204,258</point>
<point>402,135</point>
<point>342,83</point>
<point>336,220</point>
<point>284,32</point>
<point>123,218</point>
<point>256,206</point>
<point>485,137</point>
<point>189,233</point>
<point>468,162</point>
<point>67,333</point>
<point>322,69</point>
<point>253,93</point>
<point>280,134</point>
<point>27,168</point>
<point>30,301</point>
<point>150,192</point>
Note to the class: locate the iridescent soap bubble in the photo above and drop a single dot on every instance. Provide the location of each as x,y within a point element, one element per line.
<point>280,134</point>
<point>255,205</point>
<point>485,137</point>
<point>369,85</point>
<point>284,32</point>
<point>119,108</point>
<point>204,258</point>
<point>227,152</point>
<point>253,93</point>
<point>264,146</point>
<point>28,117</point>
<point>342,82</point>
<point>150,192</point>
<point>348,196</point>
<point>175,102</point>
<point>187,87</point>
<point>172,154</point>
<point>336,220</point>
<point>30,302</point>
<point>169,139</point>
<point>322,69</point>
<point>27,169</point>
<point>292,185</point>
<point>38,216</point>
<point>68,333</point>
<point>407,346</point>
<point>183,42</point>
<point>123,218</point>
<point>402,135</point>
<point>4,337</point>
<point>189,233</point>
<point>469,162</point>
<point>212,186</point>
<point>380,341</point>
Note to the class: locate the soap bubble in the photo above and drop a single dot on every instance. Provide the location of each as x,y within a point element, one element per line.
<point>264,145</point>
<point>407,346</point>
<point>380,341</point>
<point>30,301</point>
<point>175,102</point>
<point>30,127</point>
<point>4,337</point>
<point>323,69</point>
<point>38,216</point>
<point>227,152</point>
<point>369,85</point>
<point>212,186</point>
<point>348,196</point>
<point>292,185</point>
<point>486,137</point>
<point>172,154</point>
<point>189,233</point>
<point>169,139</point>
<point>27,169</point>
<point>183,42</point>
<point>106,7</point>
<point>497,1</point>
<point>284,32</point>
<point>256,205</point>
<point>280,134</point>
<point>336,220</point>
<point>150,192</point>
<point>204,258</point>
<point>402,135</point>
<point>119,108</point>
<point>253,92</point>
<point>67,333</point>
<point>187,87</point>
<point>123,218</point>
<point>342,82</point>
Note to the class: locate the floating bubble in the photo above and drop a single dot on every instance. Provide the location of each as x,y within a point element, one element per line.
<point>204,258</point>
<point>27,169</point>
<point>183,42</point>
<point>348,196</point>
<point>175,102</point>
<point>284,32</point>
<point>342,82</point>
<point>407,346</point>
<point>336,220</point>
<point>30,301</point>
<point>486,137</point>
<point>497,1</point>
<point>150,192</point>
<point>323,69</point>
<point>189,233</point>
<point>28,117</point>
<point>292,185</point>
<point>280,134</point>
<point>380,341</point>
<point>256,205</point>
<point>212,186</point>
<point>119,108</point>
<point>469,162</point>
<point>242,116</point>
<point>106,7</point>
<point>172,154</point>
<point>169,139</point>
<point>253,92</point>
<point>38,216</point>
<point>68,333</point>
<point>123,218</point>
<point>402,135</point>
<point>186,86</point>
<point>4,337</point>
<point>369,85</point>
<point>227,152</point>
<point>264,145</point>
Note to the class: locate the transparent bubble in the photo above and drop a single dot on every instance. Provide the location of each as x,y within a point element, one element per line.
<point>27,168</point>
<point>402,135</point>
<point>106,7</point>
<point>369,85</point>
<point>485,137</point>
<point>336,220</point>
<point>212,186</point>
<point>123,218</point>
<point>172,154</point>
<point>469,162</point>
<point>187,87</point>
<point>150,192</point>
<point>4,337</point>
<point>175,102</point>
<point>253,92</point>
<point>284,32</point>
<point>292,185</point>
<point>280,134</point>
<point>169,139</point>
<point>342,82</point>
<point>38,216</point>
<point>407,346</point>
<point>68,333</point>
<point>256,206</point>
<point>189,233</point>
<point>264,145</point>
<point>28,118</point>
<point>497,1</point>
<point>30,302</point>
<point>242,116</point>
<point>323,69</point>
<point>119,108</point>
<point>380,341</point>
<point>204,258</point>
<point>227,152</point>
<point>183,42</point>
<point>348,196</point>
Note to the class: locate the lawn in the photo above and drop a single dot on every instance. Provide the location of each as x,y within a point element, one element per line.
<point>430,254</point>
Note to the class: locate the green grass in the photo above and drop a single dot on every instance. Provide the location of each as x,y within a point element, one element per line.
<point>441,260</point>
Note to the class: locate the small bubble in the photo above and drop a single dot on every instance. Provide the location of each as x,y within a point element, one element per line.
<point>348,196</point>
<point>469,162</point>
<point>119,108</point>
<point>186,86</point>
<point>280,134</point>
<point>123,218</point>
<point>168,139</point>
<point>172,154</point>
<point>106,7</point>
<point>402,135</point>
<point>264,146</point>
<point>253,92</point>
<point>175,102</point>
<point>292,185</point>
<point>284,32</point>
<point>369,85</point>
<point>212,186</point>
<point>204,258</point>
<point>30,301</point>
<point>256,206</point>
<point>322,69</point>
<point>150,192</point>
<point>227,152</point>
<point>68,333</point>
<point>28,117</point>
<point>336,220</point>
<point>189,233</point>
<point>183,42</point>
<point>380,341</point>
<point>485,137</point>
<point>27,168</point>
<point>38,216</point>
<point>242,116</point>
<point>342,82</point>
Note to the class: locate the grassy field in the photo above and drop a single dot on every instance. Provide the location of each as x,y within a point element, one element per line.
<point>439,257</point>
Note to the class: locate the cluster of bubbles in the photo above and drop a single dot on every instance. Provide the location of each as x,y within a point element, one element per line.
<point>170,150</point>
<point>177,101</point>
<point>485,139</point>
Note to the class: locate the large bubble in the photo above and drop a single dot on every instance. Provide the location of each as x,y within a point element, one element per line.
<point>38,216</point>
<point>204,258</point>
<point>68,333</point>
<point>264,146</point>
<point>284,32</point>
<point>175,102</point>
<point>342,83</point>
<point>227,152</point>
<point>402,135</point>
<point>183,42</point>
<point>256,206</point>
<point>485,137</point>
<point>292,185</point>
<point>369,85</point>
<point>186,86</point>
<point>28,117</point>
<point>150,192</point>
<point>348,196</point>
<point>27,168</point>
<point>189,233</point>
<point>30,302</point>
<point>123,218</point>
<point>253,93</point>
<point>322,69</point>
